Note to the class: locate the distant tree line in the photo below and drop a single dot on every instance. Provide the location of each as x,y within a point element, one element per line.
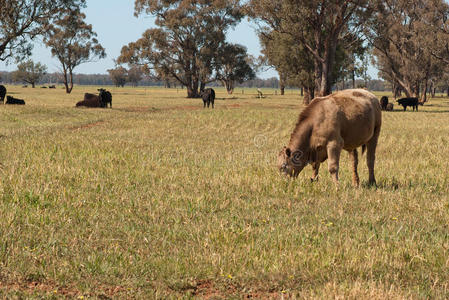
<point>317,45</point>
<point>107,80</point>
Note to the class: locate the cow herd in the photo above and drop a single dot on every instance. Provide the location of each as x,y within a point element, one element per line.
<point>9,99</point>
<point>103,99</point>
<point>404,102</point>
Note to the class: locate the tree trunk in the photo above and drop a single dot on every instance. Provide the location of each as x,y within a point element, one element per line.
<point>327,65</point>
<point>202,86</point>
<point>70,87</point>
<point>33,85</point>
<point>353,77</point>
<point>424,97</point>
<point>308,95</point>
<point>282,84</point>
<point>230,86</point>
<point>66,82</point>
<point>302,91</point>
<point>432,89</point>
<point>192,87</point>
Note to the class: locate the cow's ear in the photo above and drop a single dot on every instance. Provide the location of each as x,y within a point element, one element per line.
<point>288,152</point>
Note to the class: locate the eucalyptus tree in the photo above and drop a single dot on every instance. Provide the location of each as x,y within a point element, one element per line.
<point>29,72</point>
<point>73,42</point>
<point>233,64</point>
<point>318,27</point>
<point>185,41</point>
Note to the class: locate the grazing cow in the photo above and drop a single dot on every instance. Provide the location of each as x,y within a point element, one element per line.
<point>12,100</point>
<point>52,86</point>
<point>345,120</point>
<point>412,101</point>
<point>384,102</point>
<point>105,98</point>
<point>208,96</point>
<point>2,93</point>
<point>90,100</point>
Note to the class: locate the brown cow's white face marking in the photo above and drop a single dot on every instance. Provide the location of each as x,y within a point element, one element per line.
<point>291,163</point>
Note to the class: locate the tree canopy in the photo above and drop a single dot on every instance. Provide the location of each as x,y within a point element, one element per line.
<point>23,20</point>
<point>410,42</point>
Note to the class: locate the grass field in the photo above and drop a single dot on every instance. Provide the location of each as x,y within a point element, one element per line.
<point>159,198</point>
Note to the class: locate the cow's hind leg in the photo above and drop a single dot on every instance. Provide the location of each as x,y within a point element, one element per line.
<point>371,155</point>
<point>355,161</point>
<point>212,103</point>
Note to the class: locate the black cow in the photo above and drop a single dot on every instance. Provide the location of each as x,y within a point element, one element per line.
<point>384,102</point>
<point>411,101</point>
<point>105,98</point>
<point>12,100</point>
<point>208,96</point>
<point>2,93</point>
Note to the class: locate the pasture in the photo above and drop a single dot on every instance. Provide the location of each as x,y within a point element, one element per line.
<point>160,198</point>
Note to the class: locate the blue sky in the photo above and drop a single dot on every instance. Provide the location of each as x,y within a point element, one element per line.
<point>116,26</point>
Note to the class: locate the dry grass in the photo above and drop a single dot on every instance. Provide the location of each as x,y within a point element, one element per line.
<point>158,198</point>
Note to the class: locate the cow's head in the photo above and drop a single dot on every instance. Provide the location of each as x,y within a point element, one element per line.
<point>291,162</point>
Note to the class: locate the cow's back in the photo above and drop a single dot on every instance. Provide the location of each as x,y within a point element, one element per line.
<point>351,115</point>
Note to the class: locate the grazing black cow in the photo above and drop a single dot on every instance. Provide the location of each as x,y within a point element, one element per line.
<point>384,102</point>
<point>389,107</point>
<point>208,96</point>
<point>2,93</point>
<point>105,98</point>
<point>411,101</point>
<point>12,100</point>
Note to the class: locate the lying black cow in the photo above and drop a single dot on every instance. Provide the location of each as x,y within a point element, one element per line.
<point>12,100</point>
<point>2,93</point>
<point>412,101</point>
<point>208,96</point>
<point>384,102</point>
<point>105,98</point>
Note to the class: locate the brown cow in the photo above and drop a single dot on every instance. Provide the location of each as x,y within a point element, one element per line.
<point>389,107</point>
<point>345,120</point>
<point>90,100</point>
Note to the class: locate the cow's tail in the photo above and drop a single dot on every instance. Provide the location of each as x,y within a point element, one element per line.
<point>363,149</point>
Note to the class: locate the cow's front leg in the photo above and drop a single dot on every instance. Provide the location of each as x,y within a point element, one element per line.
<point>355,160</point>
<point>316,169</point>
<point>333,154</point>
